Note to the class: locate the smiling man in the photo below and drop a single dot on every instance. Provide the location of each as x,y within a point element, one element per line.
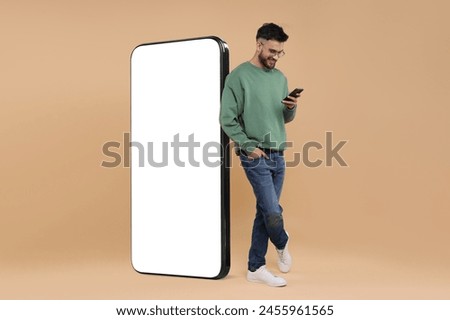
<point>253,114</point>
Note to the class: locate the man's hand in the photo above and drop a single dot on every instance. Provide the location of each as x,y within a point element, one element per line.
<point>290,104</point>
<point>257,153</point>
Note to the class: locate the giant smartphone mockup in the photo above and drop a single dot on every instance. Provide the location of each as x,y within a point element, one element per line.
<point>179,159</point>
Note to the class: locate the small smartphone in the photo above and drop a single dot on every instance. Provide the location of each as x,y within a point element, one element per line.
<point>295,93</point>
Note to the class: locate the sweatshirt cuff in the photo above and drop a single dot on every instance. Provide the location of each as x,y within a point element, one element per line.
<point>249,146</point>
<point>291,109</point>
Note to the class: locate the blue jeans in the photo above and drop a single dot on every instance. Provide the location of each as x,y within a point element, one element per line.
<point>266,177</point>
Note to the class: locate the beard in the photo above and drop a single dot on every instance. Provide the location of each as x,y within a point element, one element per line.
<point>269,62</point>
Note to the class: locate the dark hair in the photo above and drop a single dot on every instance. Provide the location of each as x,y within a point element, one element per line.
<point>271,31</point>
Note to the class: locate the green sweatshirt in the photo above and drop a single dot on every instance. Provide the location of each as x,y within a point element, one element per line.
<point>252,114</point>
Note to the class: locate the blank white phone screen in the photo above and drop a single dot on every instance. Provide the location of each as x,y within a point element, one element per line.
<point>177,217</point>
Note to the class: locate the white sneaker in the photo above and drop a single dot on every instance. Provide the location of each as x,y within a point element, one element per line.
<point>284,259</point>
<point>262,275</point>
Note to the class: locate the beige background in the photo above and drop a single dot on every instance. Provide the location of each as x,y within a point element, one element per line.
<point>375,73</point>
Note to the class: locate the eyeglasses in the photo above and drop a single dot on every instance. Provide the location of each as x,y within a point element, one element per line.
<point>274,52</point>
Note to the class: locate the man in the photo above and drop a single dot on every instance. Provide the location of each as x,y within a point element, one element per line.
<point>253,114</point>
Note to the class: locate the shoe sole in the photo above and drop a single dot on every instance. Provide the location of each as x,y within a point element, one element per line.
<point>268,284</point>
<point>284,271</point>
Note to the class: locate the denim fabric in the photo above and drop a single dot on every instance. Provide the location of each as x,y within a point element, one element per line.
<point>266,178</point>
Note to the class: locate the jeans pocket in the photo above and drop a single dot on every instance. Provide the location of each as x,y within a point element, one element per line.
<point>250,162</point>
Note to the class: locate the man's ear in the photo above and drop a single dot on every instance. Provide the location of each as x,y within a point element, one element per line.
<point>258,46</point>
